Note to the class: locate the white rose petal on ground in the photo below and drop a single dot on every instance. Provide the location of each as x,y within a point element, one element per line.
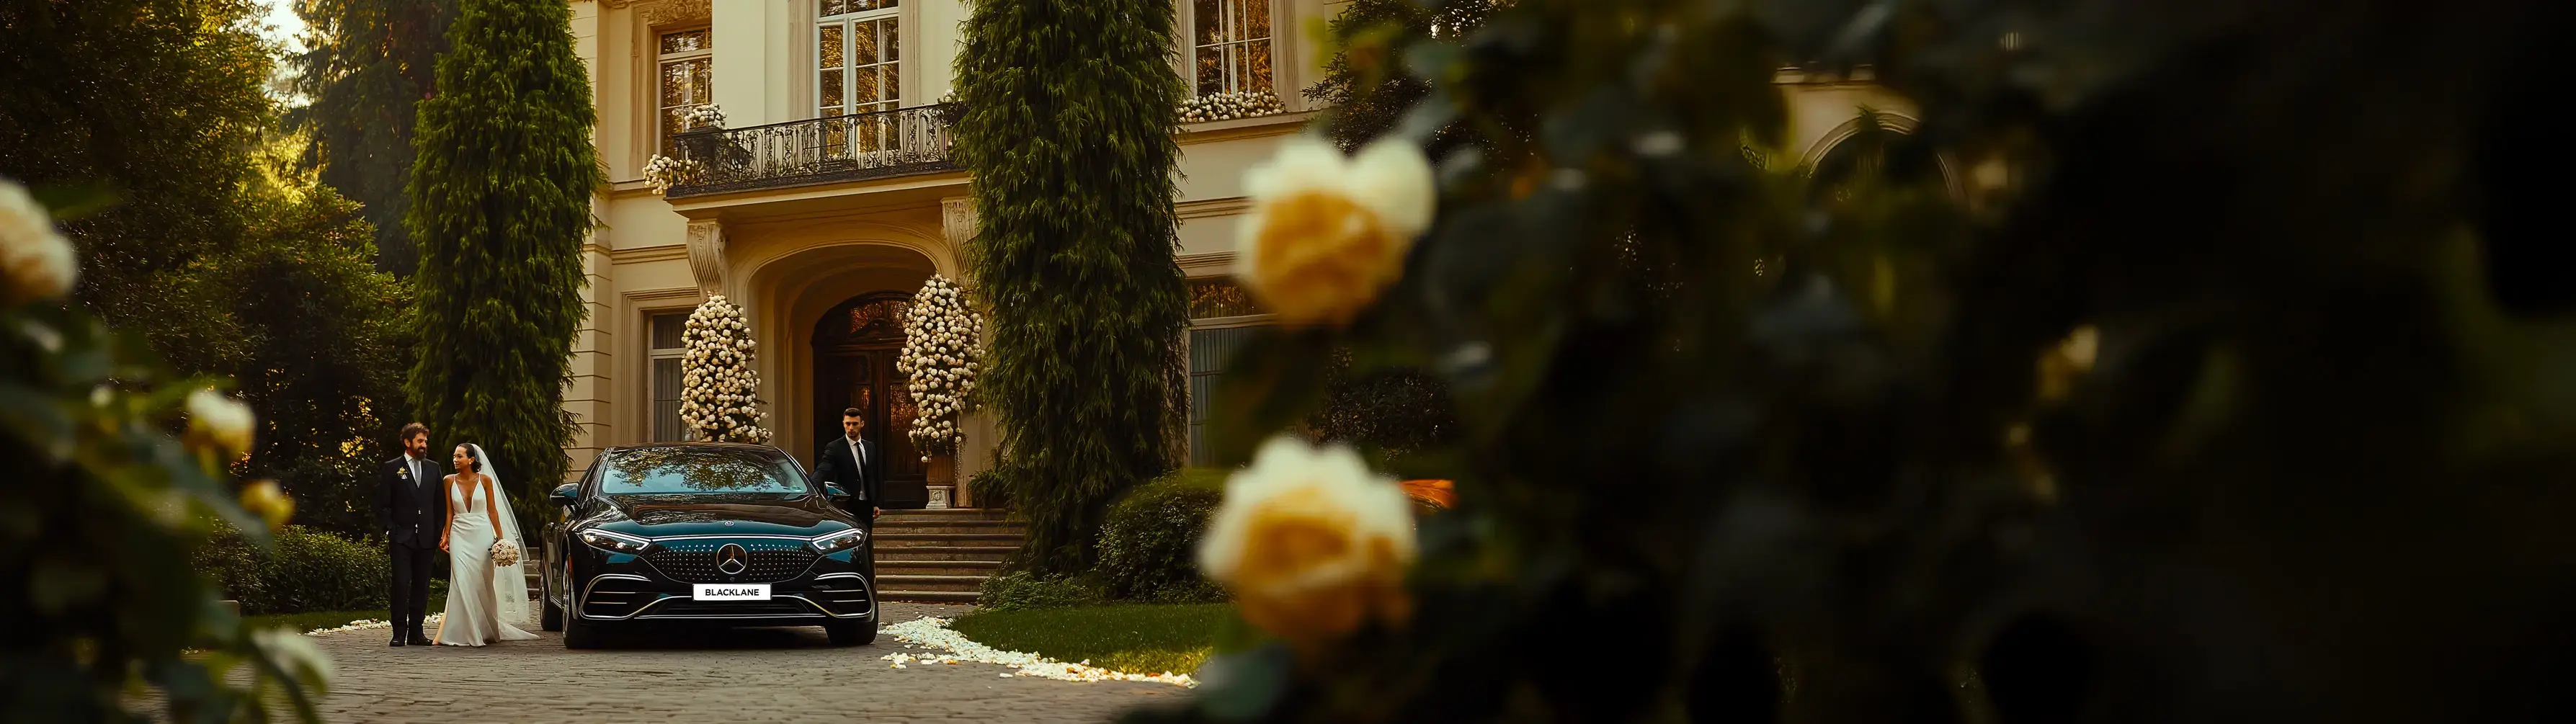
<point>933,632</point>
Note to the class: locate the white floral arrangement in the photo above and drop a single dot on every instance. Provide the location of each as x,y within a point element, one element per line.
<point>948,97</point>
<point>1230,106</point>
<point>717,384</point>
<point>505,553</point>
<point>36,260</point>
<point>703,117</point>
<point>941,358</point>
<point>663,172</point>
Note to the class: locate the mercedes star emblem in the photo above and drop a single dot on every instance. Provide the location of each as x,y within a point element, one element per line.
<point>732,560</point>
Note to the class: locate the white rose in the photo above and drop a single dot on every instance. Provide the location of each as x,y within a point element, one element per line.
<point>35,260</point>
<point>221,420</point>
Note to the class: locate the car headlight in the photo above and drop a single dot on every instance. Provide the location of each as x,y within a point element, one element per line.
<point>618,542</point>
<point>836,542</point>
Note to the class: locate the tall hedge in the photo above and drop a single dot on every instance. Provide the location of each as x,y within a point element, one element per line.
<point>500,203</point>
<point>1070,106</point>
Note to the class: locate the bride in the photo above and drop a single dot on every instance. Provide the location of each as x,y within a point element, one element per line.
<point>483,600</point>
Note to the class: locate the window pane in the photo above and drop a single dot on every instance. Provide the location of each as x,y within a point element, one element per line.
<point>893,40</point>
<point>701,80</point>
<point>675,84</point>
<point>828,47</point>
<point>829,8</point>
<point>1208,19</point>
<point>666,330</point>
<point>1211,70</point>
<point>684,41</point>
<point>863,86</point>
<point>863,43</point>
<point>893,84</point>
<point>832,88</point>
<point>666,400</point>
<point>1256,19</point>
<point>1256,66</point>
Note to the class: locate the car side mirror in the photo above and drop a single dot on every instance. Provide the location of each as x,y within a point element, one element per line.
<point>834,490</point>
<point>567,494</point>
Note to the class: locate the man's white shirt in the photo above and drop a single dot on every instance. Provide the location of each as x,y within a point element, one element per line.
<point>860,453</point>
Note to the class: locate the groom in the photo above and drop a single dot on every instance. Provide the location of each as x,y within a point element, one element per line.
<point>852,462</point>
<point>411,507</point>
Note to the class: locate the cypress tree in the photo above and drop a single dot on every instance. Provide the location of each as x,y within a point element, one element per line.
<point>500,203</point>
<point>1070,106</point>
<point>370,63</point>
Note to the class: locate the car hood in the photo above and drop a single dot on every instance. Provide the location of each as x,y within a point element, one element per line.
<point>655,516</point>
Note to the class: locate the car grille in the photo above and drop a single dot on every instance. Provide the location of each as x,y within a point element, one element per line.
<point>694,561</point>
<point>685,607</point>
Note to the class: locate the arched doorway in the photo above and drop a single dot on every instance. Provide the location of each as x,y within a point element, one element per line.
<point>855,345</point>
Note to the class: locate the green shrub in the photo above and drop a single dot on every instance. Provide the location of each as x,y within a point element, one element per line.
<point>1025,591</point>
<point>1149,545</point>
<point>302,570</point>
<point>992,487</point>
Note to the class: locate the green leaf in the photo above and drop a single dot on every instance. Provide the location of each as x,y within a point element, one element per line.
<point>1271,383</point>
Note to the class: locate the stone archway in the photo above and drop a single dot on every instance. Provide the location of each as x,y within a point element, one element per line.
<point>853,351</point>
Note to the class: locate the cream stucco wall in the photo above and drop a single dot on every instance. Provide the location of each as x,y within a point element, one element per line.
<point>787,255</point>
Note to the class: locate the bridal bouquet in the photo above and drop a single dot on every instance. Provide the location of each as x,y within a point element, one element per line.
<point>505,553</point>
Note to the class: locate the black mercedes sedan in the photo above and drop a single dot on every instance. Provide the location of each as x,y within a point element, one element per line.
<point>708,533</point>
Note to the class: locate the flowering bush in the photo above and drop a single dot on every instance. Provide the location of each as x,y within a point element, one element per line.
<point>941,355</point>
<point>1229,106</point>
<point>663,172</point>
<point>717,399</point>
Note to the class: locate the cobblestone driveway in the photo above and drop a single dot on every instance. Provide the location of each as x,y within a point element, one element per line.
<point>722,676</point>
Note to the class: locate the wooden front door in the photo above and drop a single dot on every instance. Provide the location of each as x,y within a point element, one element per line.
<point>855,346</point>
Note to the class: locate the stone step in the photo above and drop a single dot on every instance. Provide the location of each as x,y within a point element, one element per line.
<point>945,553</point>
<point>928,596</point>
<point>939,568</point>
<point>910,540</point>
<point>909,582</point>
<point>949,526</point>
<point>945,514</point>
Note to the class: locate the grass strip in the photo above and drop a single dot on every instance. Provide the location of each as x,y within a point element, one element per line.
<point>1134,638</point>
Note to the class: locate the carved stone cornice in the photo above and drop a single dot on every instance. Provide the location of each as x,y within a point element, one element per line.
<point>658,13</point>
<point>706,256</point>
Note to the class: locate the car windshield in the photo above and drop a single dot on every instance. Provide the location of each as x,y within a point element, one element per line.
<point>682,470</point>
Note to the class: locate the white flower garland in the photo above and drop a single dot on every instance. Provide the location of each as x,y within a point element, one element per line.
<point>663,172</point>
<point>941,357</point>
<point>718,399</point>
<point>934,633</point>
<point>1229,106</point>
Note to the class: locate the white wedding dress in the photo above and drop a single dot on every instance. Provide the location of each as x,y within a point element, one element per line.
<point>484,602</point>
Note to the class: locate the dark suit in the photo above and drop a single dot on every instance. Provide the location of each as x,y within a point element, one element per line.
<point>411,507</point>
<point>859,472</point>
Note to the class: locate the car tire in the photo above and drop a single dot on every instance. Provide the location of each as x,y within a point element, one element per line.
<point>852,633</point>
<point>550,616</point>
<point>579,634</point>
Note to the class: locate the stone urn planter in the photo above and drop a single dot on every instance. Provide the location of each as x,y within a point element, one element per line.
<point>944,490</point>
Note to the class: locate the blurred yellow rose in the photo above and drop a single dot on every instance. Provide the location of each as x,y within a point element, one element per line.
<point>36,262</point>
<point>1327,233</point>
<point>220,421</point>
<point>1311,543</point>
<point>264,499</point>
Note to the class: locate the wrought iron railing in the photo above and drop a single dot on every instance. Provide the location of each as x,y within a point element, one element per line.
<point>823,150</point>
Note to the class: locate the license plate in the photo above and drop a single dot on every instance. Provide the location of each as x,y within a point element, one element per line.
<point>732,592</point>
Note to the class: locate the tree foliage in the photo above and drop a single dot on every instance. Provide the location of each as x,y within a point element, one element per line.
<point>501,199</point>
<point>1069,110</point>
<point>224,265</point>
<point>1366,86</point>
<point>367,63</point>
<point>2141,379</point>
<point>159,104</point>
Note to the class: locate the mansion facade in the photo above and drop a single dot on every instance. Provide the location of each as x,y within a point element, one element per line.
<point>828,196</point>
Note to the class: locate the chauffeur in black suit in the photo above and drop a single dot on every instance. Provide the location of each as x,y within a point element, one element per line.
<point>855,464</point>
<point>411,507</point>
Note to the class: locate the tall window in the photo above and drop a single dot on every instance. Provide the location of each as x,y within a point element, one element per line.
<point>1223,318</point>
<point>1230,45</point>
<point>665,350</point>
<point>688,70</point>
<point>858,56</point>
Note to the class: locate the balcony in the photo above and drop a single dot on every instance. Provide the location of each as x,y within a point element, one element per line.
<point>854,147</point>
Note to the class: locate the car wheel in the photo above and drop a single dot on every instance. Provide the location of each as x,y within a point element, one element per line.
<point>852,633</point>
<point>579,634</point>
<point>550,616</point>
